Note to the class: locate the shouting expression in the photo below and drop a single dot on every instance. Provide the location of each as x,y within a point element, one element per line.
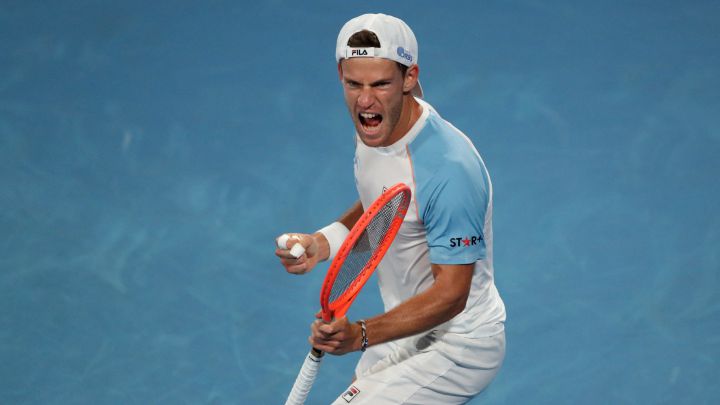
<point>375,93</point>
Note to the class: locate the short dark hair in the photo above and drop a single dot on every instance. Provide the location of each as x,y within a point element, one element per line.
<point>368,39</point>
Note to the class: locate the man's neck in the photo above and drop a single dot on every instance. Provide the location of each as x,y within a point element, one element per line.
<point>411,112</point>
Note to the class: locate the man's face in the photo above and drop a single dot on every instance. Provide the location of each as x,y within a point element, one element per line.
<point>373,90</point>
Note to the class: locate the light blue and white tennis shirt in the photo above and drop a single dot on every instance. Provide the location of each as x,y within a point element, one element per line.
<point>449,220</point>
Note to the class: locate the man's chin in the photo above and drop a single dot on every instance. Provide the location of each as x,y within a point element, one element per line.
<point>372,140</point>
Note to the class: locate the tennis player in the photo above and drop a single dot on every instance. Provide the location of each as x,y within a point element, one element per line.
<point>441,339</point>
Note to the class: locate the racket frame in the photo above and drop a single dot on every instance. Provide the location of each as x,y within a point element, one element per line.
<point>339,307</point>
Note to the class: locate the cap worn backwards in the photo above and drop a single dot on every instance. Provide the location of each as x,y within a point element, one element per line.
<point>397,41</point>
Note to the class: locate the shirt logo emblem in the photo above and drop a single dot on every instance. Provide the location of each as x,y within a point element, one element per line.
<point>350,394</point>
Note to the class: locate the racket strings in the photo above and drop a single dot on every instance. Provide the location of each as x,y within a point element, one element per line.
<point>366,245</point>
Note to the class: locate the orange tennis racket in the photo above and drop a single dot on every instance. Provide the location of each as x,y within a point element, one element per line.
<point>357,258</point>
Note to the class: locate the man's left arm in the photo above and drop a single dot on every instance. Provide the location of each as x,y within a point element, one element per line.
<point>455,203</point>
<point>438,304</point>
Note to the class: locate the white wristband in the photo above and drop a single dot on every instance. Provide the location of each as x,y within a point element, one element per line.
<point>335,234</point>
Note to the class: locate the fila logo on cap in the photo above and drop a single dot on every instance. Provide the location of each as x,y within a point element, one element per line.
<point>360,52</point>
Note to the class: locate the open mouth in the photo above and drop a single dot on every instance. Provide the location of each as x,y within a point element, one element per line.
<point>370,121</point>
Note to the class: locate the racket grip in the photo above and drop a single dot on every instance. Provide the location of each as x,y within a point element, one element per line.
<point>305,379</point>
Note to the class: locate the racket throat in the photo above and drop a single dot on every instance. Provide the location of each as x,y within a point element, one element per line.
<point>327,312</point>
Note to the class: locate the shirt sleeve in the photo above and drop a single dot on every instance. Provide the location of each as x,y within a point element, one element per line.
<point>454,215</point>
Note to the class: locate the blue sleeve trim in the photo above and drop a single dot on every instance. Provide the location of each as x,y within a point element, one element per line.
<point>452,192</point>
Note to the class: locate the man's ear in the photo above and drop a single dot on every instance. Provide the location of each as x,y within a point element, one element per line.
<point>411,78</point>
<point>340,74</point>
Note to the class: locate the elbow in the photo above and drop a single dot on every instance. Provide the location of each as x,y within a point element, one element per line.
<point>456,304</point>
<point>460,306</point>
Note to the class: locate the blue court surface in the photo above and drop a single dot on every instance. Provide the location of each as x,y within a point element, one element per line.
<point>150,152</point>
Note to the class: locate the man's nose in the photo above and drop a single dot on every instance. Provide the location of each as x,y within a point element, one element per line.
<point>366,97</point>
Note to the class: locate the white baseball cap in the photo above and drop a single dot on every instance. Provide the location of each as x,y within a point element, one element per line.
<point>397,41</point>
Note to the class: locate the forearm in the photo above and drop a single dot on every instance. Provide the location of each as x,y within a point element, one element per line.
<point>351,216</point>
<point>416,315</point>
<point>438,304</point>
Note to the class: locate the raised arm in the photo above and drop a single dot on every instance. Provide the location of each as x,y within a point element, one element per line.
<point>316,246</point>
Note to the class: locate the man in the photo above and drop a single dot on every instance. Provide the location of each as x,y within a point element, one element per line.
<point>441,339</point>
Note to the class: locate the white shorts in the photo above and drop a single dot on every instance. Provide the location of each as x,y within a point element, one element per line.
<point>438,368</point>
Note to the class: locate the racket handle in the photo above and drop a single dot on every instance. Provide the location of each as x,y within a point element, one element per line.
<point>305,379</point>
<point>297,250</point>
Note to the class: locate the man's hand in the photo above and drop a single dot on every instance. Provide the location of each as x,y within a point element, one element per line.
<point>308,260</point>
<point>317,248</point>
<point>337,337</point>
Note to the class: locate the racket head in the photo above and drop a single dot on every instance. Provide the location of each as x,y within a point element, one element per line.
<point>362,250</point>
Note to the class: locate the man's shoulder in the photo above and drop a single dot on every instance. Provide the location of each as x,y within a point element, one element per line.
<point>439,135</point>
<point>442,154</point>
<point>441,145</point>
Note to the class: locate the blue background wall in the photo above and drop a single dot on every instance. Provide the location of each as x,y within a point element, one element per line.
<point>151,151</point>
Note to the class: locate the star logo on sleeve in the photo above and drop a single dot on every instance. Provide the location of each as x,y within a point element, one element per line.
<point>465,241</point>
